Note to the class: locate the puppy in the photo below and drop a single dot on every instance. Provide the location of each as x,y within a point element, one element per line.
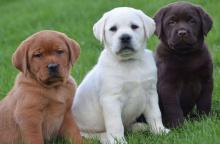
<point>184,63</point>
<point>38,107</point>
<point>122,85</point>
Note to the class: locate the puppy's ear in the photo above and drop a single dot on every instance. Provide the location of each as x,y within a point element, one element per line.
<point>149,24</point>
<point>74,50</point>
<point>158,17</point>
<point>99,28</point>
<point>206,21</point>
<point>20,56</point>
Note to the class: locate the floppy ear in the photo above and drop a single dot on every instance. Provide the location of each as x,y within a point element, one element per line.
<point>99,28</point>
<point>74,50</point>
<point>206,21</point>
<point>149,24</point>
<point>158,17</point>
<point>20,56</point>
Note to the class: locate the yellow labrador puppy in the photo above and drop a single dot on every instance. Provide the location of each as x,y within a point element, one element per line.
<point>122,85</point>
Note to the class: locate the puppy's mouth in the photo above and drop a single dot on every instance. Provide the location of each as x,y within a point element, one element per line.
<point>182,46</point>
<point>53,80</point>
<point>184,41</point>
<point>126,51</point>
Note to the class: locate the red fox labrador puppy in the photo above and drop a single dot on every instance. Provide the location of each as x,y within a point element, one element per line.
<point>38,107</point>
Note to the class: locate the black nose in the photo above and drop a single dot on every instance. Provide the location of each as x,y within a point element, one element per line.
<point>125,38</point>
<point>181,33</point>
<point>53,67</point>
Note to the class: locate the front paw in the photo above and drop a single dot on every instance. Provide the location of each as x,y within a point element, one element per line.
<point>160,130</point>
<point>164,131</point>
<point>113,140</point>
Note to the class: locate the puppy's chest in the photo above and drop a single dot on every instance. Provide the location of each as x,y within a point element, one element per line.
<point>131,83</point>
<point>134,98</point>
<point>132,87</point>
<point>136,80</point>
<point>53,116</point>
<point>134,93</point>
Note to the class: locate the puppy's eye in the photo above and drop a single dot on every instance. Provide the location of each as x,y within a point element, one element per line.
<point>171,22</point>
<point>59,51</point>
<point>192,21</point>
<point>38,55</point>
<point>133,26</point>
<point>113,29</point>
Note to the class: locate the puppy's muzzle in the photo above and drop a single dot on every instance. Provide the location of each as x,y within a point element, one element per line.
<point>53,68</point>
<point>182,33</point>
<point>126,46</point>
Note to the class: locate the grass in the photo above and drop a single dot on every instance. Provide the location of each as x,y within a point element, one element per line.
<point>21,18</point>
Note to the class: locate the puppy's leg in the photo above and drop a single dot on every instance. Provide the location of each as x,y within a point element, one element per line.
<point>70,130</point>
<point>113,121</point>
<point>169,103</point>
<point>152,113</point>
<point>205,99</point>
<point>30,125</point>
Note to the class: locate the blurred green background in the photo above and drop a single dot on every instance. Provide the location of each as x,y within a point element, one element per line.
<point>21,18</point>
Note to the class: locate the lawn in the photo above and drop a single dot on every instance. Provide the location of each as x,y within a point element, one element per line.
<point>21,18</point>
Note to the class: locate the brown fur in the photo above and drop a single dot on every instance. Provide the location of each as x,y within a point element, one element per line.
<point>184,64</point>
<point>38,107</point>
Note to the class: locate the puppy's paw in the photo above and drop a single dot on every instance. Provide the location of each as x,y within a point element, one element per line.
<point>112,140</point>
<point>165,131</point>
<point>138,127</point>
<point>121,141</point>
<point>160,130</point>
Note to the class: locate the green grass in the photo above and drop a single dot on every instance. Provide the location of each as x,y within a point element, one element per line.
<point>21,18</point>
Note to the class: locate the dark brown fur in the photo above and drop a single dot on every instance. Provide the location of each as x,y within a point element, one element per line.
<point>184,63</point>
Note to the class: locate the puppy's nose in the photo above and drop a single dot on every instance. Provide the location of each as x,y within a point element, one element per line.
<point>52,67</point>
<point>181,33</point>
<point>125,38</point>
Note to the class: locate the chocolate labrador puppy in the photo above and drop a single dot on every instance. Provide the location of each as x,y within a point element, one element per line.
<point>184,64</point>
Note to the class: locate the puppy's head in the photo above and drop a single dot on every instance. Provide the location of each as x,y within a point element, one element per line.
<point>47,56</point>
<point>182,25</point>
<point>124,31</point>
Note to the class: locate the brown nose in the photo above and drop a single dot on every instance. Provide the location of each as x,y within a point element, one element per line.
<point>53,67</point>
<point>181,33</point>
